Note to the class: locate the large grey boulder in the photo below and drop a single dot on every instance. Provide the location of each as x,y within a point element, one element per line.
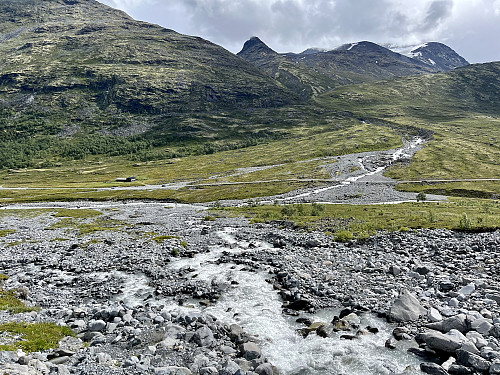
<point>406,308</point>
<point>458,322</point>
<point>448,343</point>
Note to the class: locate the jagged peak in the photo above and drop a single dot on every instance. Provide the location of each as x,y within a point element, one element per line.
<point>255,44</point>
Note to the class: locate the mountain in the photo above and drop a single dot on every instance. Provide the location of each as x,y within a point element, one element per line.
<point>316,70</point>
<point>292,74</point>
<point>71,66</point>
<point>434,54</point>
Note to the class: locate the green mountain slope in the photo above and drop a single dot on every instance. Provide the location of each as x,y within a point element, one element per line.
<point>461,108</point>
<point>67,64</point>
<point>293,74</point>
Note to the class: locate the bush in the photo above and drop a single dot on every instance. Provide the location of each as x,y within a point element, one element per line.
<point>421,197</point>
<point>317,209</point>
<point>465,222</point>
<point>344,236</point>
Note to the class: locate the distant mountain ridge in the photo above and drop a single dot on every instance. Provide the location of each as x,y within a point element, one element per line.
<point>349,64</point>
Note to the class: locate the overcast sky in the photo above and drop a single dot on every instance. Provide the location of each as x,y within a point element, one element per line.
<point>471,27</point>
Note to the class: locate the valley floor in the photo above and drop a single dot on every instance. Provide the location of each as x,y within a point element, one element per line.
<point>154,288</point>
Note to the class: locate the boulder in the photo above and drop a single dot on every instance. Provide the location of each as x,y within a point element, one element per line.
<point>250,351</point>
<point>433,369</point>
<point>441,342</point>
<point>482,326</point>
<point>458,322</point>
<point>96,325</point>
<point>434,315</point>
<point>459,370</point>
<point>204,337</point>
<point>264,369</point>
<point>406,308</point>
<point>472,360</point>
<point>468,289</point>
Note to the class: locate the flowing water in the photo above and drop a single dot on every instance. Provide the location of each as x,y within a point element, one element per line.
<point>404,152</point>
<point>252,303</point>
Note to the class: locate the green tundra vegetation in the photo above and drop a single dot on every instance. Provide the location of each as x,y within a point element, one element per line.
<point>78,110</point>
<point>34,337</point>
<point>346,222</point>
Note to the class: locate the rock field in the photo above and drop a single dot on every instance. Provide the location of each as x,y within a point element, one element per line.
<point>141,306</point>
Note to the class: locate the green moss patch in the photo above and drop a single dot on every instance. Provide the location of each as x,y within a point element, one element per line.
<point>10,302</point>
<point>34,337</point>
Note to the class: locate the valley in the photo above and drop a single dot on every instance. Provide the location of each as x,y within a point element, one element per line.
<point>168,207</point>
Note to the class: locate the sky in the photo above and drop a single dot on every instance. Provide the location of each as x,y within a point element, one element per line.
<point>470,27</point>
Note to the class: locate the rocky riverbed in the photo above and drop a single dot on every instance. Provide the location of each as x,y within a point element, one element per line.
<point>169,291</point>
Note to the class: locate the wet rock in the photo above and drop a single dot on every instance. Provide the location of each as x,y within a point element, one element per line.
<point>264,369</point>
<point>236,333</point>
<point>472,360</point>
<point>390,343</point>
<point>406,308</point>
<point>250,351</point>
<point>433,369</point>
<point>402,333</point>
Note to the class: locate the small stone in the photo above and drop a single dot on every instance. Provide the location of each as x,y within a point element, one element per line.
<point>96,325</point>
<point>390,343</point>
<point>159,319</point>
<point>172,370</point>
<point>250,351</point>
<point>434,315</point>
<point>468,289</point>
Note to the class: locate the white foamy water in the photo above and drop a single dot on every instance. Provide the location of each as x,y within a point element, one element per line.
<point>252,303</point>
<point>256,306</point>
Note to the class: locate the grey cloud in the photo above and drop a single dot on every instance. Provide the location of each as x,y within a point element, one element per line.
<point>294,25</point>
<point>437,13</point>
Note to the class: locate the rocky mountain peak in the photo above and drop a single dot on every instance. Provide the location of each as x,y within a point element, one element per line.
<point>439,55</point>
<point>255,45</point>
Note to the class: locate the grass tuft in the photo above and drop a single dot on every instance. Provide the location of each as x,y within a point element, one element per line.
<point>34,337</point>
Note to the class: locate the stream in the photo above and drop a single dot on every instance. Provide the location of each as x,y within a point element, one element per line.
<point>252,303</point>
<point>364,171</point>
